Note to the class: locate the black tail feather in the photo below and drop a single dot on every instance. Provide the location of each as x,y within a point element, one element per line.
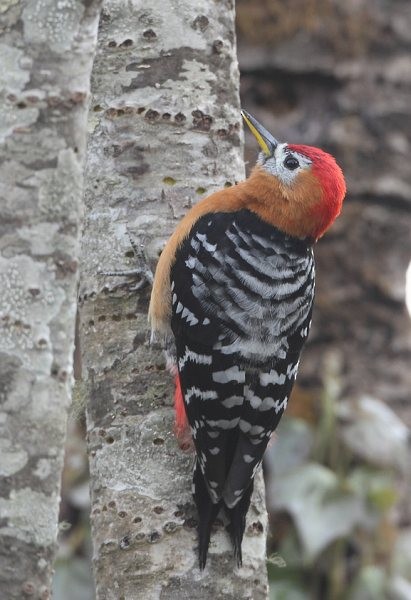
<point>207,514</point>
<point>236,527</point>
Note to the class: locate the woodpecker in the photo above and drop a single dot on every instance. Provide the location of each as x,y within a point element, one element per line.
<point>233,290</point>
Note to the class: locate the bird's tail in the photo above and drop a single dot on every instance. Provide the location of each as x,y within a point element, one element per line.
<point>207,514</point>
<point>236,527</point>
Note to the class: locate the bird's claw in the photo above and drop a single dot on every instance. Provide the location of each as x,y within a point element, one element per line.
<point>143,271</point>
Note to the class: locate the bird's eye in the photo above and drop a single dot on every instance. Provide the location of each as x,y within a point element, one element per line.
<point>291,163</point>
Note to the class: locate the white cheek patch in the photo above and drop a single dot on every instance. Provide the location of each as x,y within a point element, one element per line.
<point>286,176</point>
<point>275,165</point>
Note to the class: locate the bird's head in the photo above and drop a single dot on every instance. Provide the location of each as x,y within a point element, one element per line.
<point>300,189</point>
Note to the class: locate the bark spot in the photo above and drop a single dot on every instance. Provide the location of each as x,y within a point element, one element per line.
<point>28,588</point>
<point>137,170</point>
<point>201,121</point>
<point>65,267</point>
<point>170,527</point>
<point>139,340</point>
<point>149,34</point>
<point>222,133</point>
<point>124,543</point>
<point>200,23</point>
<point>151,115</point>
<point>158,510</point>
<point>168,66</point>
<point>126,44</point>
<point>153,537</point>
<point>218,46</point>
<point>169,181</point>
<point>137,520</point>
<point>190,523</point>
<point>256,528</point>
<point>78,97</point>
<point>110,113</point>
<point>180,118</point>
<point>63,376</point>
<point>158,441</point>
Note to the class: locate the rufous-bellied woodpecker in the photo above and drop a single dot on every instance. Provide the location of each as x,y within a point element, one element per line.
<point>234,288</point>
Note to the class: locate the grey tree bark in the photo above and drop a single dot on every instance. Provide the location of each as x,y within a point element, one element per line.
<point>46,52</point>
<point>164,131</point>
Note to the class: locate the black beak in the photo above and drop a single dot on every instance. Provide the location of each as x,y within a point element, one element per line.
<point>267,142</point>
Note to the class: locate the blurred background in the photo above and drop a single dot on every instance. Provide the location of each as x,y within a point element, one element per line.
<point>336,75</point>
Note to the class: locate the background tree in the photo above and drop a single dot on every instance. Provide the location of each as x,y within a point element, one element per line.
<point>336,75</point>
<point>165,130</point>
<point>46,52</point>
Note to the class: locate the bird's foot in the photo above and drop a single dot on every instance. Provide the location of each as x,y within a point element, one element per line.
<point>141,272</point>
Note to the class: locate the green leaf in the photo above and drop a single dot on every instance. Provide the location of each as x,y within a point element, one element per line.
<point>376,487</point>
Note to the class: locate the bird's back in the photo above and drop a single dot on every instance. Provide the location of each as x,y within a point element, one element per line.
<point>242,295</point>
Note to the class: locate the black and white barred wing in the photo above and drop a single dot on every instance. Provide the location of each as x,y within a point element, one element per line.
<point>242,297</point>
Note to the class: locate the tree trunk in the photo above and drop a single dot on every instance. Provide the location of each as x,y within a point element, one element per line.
<point>46,56</point>
<point>165,131</point>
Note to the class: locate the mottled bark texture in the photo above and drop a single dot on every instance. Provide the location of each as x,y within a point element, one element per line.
<point>338,75</point>
<point>165,131</point>
<point>46,52</point>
